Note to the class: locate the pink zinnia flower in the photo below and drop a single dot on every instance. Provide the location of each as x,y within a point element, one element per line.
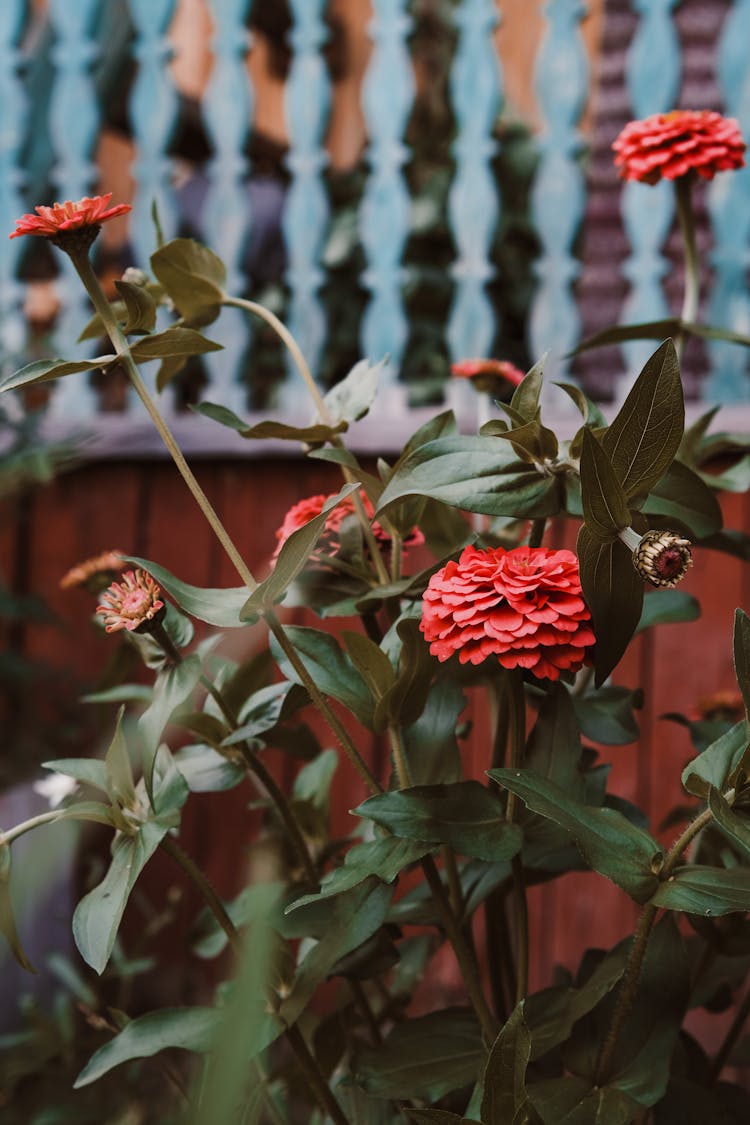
<point>132,604</point>
<point>669,145</point>
<point>523,606</point>
<point>93,574</point>
<point>51,222</point>
<point>492,376</point>
<point>328,544</point>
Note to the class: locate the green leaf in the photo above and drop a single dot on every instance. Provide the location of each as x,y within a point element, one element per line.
<point>742,655</point>
<point>464,815</point>
<point>170,366</point>
<point>698,889</point>
<point>618,334</point>
<point>270,429</point>
<point>292,557</point>
<point>90,771</point>
<point>734,826</point>
<point>719,764</point>
<point>193,277</point>
<point>477,474</point>
<point>605,508</point>
<point>97,917</point>
<point>711,332</point>
<point>423,1058</point>
<point>206,771</point>
<point>614,593</point>
<point>384,859</point>
<point>438,1117</point>
<point>606,715</point>
<point>174,341</point>
<point>173,688</point>
<point>505,1074</point>
<point>592,415</point>
<point>645,436</point>
<point>404,702</point>
<point>608,842</point>
<point>430,742</point>
<point>376,670</point>
<point>554,747</point>
<point>668,607</point>
<point>572,1101</point>
<point>264,709</point>
<point>682,497</point>
<point>532,442</point>
<point>216,607</point>
<point>351,398</point>
<point>42,370</point>
<point>140,307</point>
<point>120,784</point>
<point>525,400</point>
<point>7,920</point>
<point>192,1029</point>
<point>330,668</point>
<point>313,782</point>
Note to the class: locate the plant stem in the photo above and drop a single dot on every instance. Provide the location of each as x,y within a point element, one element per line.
<point>285,811</point>
<point>689,312</point>
<point>632,974</point>
<point>536,534</point>
<point>399,758</point>
<point>321,703</point>
<point>122,348</point>
<point>27,825</point>
<point>466,963</point>
<point>450,867</point>
<point>199,880</point>
<point>315,1080</point>
<point>731,1037</point>
<point>360,997</point>
<point>517,738</point>
<point>497,938</point>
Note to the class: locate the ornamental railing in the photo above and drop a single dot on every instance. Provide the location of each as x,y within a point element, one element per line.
<point>428,180</point>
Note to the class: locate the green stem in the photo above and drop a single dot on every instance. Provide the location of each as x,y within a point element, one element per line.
<point>454,880</point>
<point>517,738</point>
<point>536,534</point>
<point>27,825</point>
<point>497,939</point>
<point>399,758</point>
<point>319,1088</point>
<point>201,883</point>
<point>632,974</point>
<point>731,1038</point>
<point>284,809</point>
<point>466,962</point>
<point>683,192</point>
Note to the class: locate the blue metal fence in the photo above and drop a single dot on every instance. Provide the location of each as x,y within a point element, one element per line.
<point>60,73</point>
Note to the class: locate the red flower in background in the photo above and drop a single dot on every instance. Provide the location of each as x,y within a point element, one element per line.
<point>49,222</point>
<point>492,376</point>
<point>669,145</point>
<point>522,606</point>
<point>301,513</point>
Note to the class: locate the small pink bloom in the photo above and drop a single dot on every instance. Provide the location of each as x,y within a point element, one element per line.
<point>95,573</point>
<point>328,544</point>
<point>522,606</point>
<point>669,145</point>
<point>60,217</point>
<point>490,375</point>
<point>130,604</point>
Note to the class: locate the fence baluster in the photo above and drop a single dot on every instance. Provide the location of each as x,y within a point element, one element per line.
<point>558,197</point>
<point>729,207</point>
<point>387,97</point>
<point>12,327</point>
<point>228,107</point>
<point>473,203</point>
<point>653,73</point>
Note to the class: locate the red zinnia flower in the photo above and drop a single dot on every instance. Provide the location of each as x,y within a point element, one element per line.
<point>301,513</point>
<point>670,145</point>
<point>49,222</point>
<point>132,603</point>
<point>493,376</point>
<point>523,606</point>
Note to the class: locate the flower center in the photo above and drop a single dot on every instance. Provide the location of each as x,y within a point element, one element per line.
<point>135,604</point>
<point>669,563</point>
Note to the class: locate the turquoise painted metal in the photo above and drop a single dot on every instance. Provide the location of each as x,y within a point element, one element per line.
<point>729,206</point>
<point>13,101</point>
<point>474,204</point>
<point>384,217</point>
<point>306,211</point>
<point>558,195</point>
<point>653,73</point>
<point>228,110</point>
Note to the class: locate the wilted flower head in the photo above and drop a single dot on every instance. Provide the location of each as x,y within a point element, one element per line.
<point>60,221</point>
<point>131,604</point>
<point>491,376</point>
<point>669,145</point>
<point>663,558</point>
<point>93,574</point>
<point>328,544</point>
<point>726,706</point>
<point>523,606</point>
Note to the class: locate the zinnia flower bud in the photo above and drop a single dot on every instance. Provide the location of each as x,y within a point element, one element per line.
<point>661,557</point>
<point>523,606</point>
<point>669,145</point>
<point>72,226</point>
<point>132,604</point>
<point>93,574</point>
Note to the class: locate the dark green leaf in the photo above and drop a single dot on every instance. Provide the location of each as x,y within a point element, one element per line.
<point>554,748</point>
<point>645,436</point>
<point>525,401</point>
<point>742,655</point>
<point>173,688</point>
<point>292,557</point>
<point>278,430</point>
<point>620,333</point>
<point>734,826</point>
<point>216,607</point>
<point>193,1029</point>
<point>606,715</point>
<point>173,341</point>
<point>7,920</point>
<point>712,891</point>
<point>682,497</point>
<point>608,842</point>
<point>605,508</point>
<point>313,782</point>
<point>591,413</point>
<point>717,766</point>
<point>438,1117</point>
<point>140,307</point>
<point>42,370</point>
<point>193,276</point>
<point>614,593</point>
<point>120,784</point>
<point>463,815</point>
<point>505,1073</point>
<point>264,709</point>
<point>383,858</point>
<point>330,668</point>
<point>404,703</point>
<point>423,1058</point>
<point>376,670</point>
<point>572,1101</point>
<point>351,398</point>
<point>441,425</point>
<point>205,771</point>
<point>668,607</point>
<point>710,332</point>
<point>532,441</point>
<point>430,742</point>
<point>169,367</point>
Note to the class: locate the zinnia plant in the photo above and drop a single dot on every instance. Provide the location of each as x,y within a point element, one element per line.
<point>326,1002</point>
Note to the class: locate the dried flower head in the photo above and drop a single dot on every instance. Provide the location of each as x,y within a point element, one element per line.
<point>491,376</point>
<point>669,145</point>
<point>328,544</point>
<point>93,574</point>
<point>71,225</point>
<point>131,604</point>
<point>663,558</point>
<point>726,706</point>
<point>523,606</point>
